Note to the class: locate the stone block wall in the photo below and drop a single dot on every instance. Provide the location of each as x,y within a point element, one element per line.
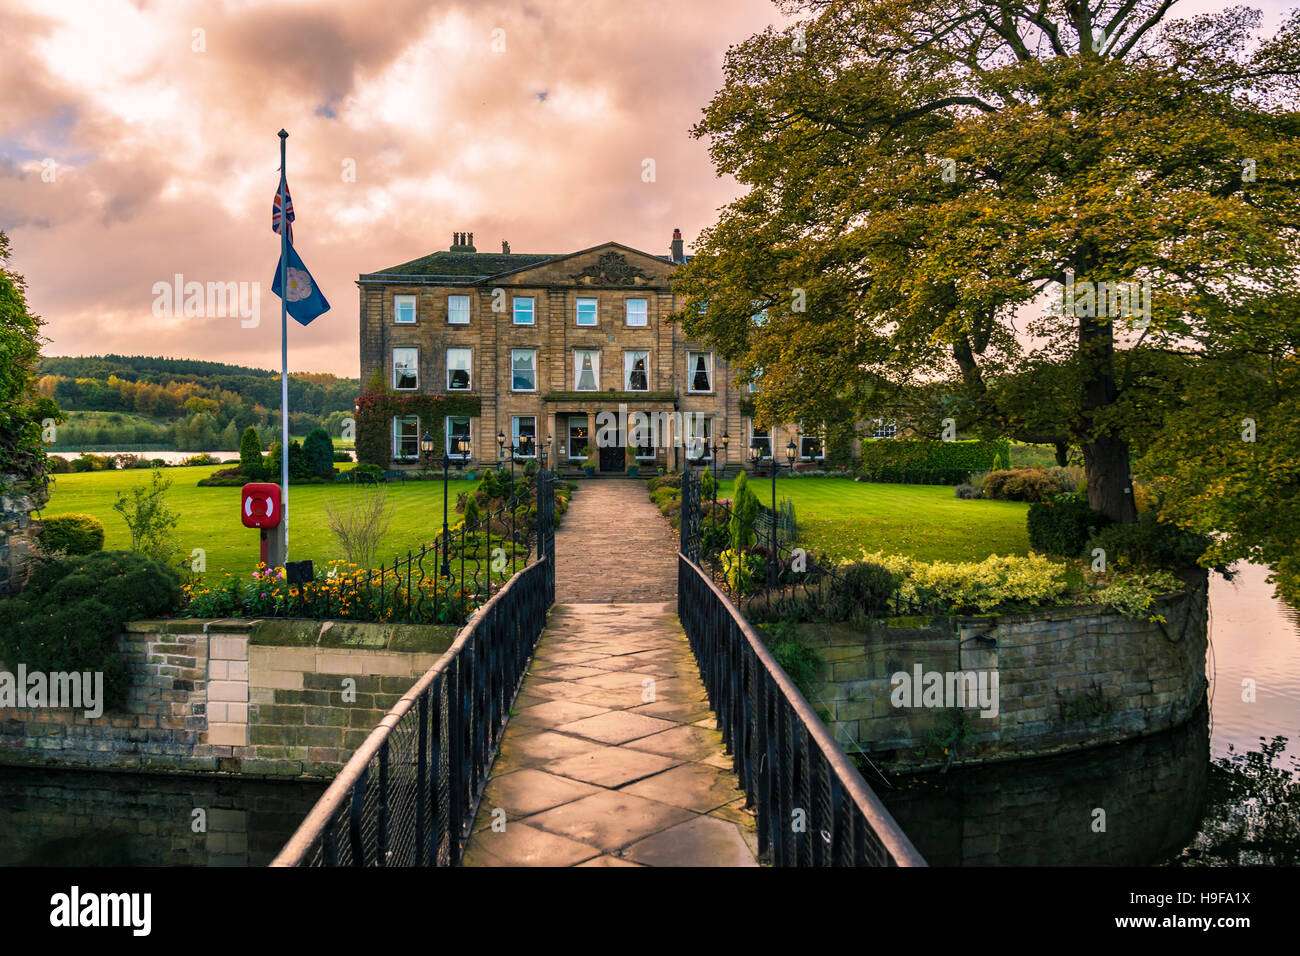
<point>1067,678</point>
<point>259,698</point>
<point>17,531</point>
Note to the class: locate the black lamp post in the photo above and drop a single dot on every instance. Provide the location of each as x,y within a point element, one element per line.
<point>462,451</point>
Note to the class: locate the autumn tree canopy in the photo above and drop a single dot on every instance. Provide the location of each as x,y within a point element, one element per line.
<point>920,175</point>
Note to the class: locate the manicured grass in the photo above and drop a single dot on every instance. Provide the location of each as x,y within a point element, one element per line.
<point>928,522</point>
<point>209,517</point>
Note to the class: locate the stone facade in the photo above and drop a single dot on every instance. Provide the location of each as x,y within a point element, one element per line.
<point>260,698</point>
<point>550,313</point>
<point>17,531</point>
<point>1067,678</point>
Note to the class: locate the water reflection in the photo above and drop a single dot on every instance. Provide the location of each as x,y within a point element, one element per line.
<point>1044,811</point>
<point>102,818</point>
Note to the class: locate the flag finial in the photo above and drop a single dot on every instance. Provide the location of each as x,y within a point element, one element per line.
<point>283,135</point>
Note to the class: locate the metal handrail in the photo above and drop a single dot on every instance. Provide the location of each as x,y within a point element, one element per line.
<point>355,772</point>
<point>734,696</point>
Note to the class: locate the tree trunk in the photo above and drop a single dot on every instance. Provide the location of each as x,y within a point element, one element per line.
<point>1062,454</point>
<point>1105,451</point>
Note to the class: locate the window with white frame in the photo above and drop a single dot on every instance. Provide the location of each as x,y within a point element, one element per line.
<point>586,370</point>
<point>755,379</point>
<point>699,371</point>
<point>637,311</point>
<point>523,310</point>
<point>457,428</point>
<point>577,436</point>
<point>523,370</point>
<point>406,437</point>
<point>810,445</point>
<point>699,436</point>
<point>406,369</point>
<point>761,439</point>
<point>884,429</point>
<point>636,371</point>
<point>760,317</point>
<point>458,369</point>
<point>523,435</point>
<point>404,309</point>
<point>458,309</point>
<point>587,312</point>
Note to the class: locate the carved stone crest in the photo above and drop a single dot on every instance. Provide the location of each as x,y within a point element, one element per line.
<point>612,268</point>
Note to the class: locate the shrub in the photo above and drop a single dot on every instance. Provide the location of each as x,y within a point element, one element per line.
<point>967,491</point>
<point>250,455</point>
<point>797,658</point>
<point>72,534</point>
<point>148,518</point>
<point>1011,583</point>
<point>665,481</point>
<point>860,589</point>
<point>318,449</point>
<point>202,459</point>
<point>367,469</point>
<point>707,485</point>
<point>1134,594</point>
<point>744,509</point>
<point>909,475</point>
<point>1024,484</point>
<point>70,614</point>
<point>359,525</point>
<point>1150,543</point>
<point>1062,525</point>
<point>342,456</point>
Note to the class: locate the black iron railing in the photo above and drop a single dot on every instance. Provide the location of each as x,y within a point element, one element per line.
<point>441,582</point>
<point>771,578</point>
<point>409,794</point>
<point>813,807</point>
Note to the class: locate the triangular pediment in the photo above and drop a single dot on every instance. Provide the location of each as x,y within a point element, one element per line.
<point>611,265</point>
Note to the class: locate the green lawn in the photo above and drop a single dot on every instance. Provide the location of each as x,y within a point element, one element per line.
<point>843,518</point>
<point>209,517</point>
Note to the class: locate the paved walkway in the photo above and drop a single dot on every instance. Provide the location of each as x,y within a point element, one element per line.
<point>612,757</point>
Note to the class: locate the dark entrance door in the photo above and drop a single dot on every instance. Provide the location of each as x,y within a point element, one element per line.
<point>611,459</point>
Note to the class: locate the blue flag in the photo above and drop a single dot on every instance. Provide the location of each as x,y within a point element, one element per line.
<point>304,301</point>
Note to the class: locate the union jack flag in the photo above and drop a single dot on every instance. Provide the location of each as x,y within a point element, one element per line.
<point>282,198</point>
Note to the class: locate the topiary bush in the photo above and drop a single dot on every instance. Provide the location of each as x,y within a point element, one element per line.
<point>1025,484</point>
<point>73,534</point>
<point>1062,525</point>
<point>250,455</point>
<point>319,452</point>
<point>1150,543</point>
<point>70,614</point>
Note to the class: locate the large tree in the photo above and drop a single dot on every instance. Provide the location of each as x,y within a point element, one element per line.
<point>922,174</point>
<point>22,409</point>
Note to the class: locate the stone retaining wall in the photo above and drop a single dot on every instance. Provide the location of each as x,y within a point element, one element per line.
<point>261,698</point>
<point>1066,678</point>
<point>16,532</point>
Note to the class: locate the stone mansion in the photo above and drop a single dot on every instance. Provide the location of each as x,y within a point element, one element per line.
<point>548,344</point>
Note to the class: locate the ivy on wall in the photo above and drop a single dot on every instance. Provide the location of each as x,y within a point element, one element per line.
<point>378,406</point>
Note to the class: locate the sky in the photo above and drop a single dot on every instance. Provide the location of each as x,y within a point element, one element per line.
<point>138,142</point>
<point>133,149</point>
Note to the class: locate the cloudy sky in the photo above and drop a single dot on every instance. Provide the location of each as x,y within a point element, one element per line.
<point>161,144</point>
<point>138,141</point>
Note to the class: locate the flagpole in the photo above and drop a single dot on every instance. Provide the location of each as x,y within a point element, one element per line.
<point>284,349</point>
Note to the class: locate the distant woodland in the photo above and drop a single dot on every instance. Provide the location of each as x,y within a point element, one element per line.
<point>141,402</point>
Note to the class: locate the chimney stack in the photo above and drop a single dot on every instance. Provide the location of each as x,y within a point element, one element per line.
<point>505,248</point>
<point>677,254</point>
<point>470,242</point>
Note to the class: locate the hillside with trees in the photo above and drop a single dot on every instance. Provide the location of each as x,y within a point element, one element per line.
<point>145,402</point>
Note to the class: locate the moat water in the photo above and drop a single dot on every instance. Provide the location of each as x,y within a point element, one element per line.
<point>1224,788</point>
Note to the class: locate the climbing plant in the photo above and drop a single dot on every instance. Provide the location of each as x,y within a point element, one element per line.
<point>379,405</point>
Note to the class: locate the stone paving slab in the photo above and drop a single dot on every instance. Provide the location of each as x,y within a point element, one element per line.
<point>619,768</point>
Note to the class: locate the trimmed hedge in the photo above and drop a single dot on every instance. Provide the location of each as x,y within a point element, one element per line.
<point>70,614</point>
<point>930,455</point>
<point>73,534</point>
<point>1062,525</point>
<point>904,475</point>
